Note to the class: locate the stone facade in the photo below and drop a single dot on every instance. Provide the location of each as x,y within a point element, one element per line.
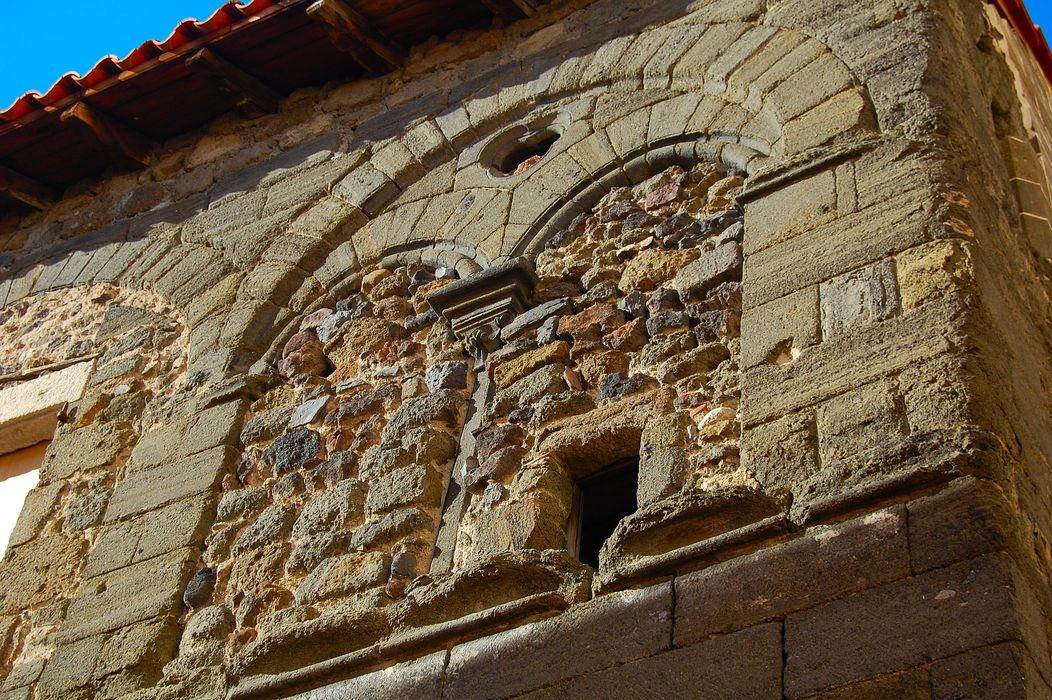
<point>352,364</point>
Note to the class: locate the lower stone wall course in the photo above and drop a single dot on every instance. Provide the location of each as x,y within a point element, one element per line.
<point>913,684</point>
<point>826,562</point>
<point>420,678</point>
<point>607,631</point>
<point>991,673</point>
<point>746,664</point>
<point>966,520</point>
<point>902,624</point>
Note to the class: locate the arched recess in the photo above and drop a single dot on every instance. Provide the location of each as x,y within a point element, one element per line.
<point>772,90</point>
<point>632,118</point>
<point>113,531</point>
<point>192,279</point>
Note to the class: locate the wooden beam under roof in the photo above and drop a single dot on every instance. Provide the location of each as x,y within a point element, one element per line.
<point>505,10</point>
<point>26,190</point>
<point>353,34</point>
<point>123,145</point>
<point>251,96</point>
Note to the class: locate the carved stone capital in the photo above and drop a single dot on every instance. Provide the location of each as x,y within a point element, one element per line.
<point>478,306</point>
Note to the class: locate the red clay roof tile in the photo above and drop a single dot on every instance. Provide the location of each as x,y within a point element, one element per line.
<point>109,67</point>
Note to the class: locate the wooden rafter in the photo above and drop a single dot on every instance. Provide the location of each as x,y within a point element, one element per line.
<point>250,95</point>
<point>352,33</point>
<point>505,10</point>
<point>27,190</point>
<point>527,7</point>
<point>124,145</point>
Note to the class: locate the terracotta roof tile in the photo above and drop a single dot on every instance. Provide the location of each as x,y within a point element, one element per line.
<point>109,67</point>
<point>1018,15</point>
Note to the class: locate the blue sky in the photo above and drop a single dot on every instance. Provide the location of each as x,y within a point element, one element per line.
<point>39,41</point>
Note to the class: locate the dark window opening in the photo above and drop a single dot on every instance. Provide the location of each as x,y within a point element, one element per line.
<point>602,501</point>
<point>527,155</point>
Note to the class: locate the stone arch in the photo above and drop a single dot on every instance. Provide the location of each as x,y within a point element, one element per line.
<point>752,84</point>
<point>638,164</point>
<point>189,277</point>
<point>452,254</point>
<point>107,478</point>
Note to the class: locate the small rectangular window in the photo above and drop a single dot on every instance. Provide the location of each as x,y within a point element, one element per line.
<point>600,503</point>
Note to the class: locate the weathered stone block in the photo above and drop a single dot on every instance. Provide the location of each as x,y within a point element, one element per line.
<point>507,373</point>
<point>136,593</point>
<point>161,485</point>
<point>182,524</point>
<point>259,568</point>
<point>533,521</point>
<point>439,409</point>
<point>114,547</point>
<point>94,446</point>
<point>333,510</point>
<point>967,519</point>
<point>782,454</point>
<point>529,390</point>
<point>778,216</point>
<point>273,525</point>
<point>39,506</point>
<point>414,485</point>
<point>778,330</point>
<point>860,297</point>
<point>592,323</point>
<point>934,271</point>
<point>344,576</point>
<point>825,563</point>
<point>662,457</point>
<point>902,624</point>
<point>160,444</point>
<point>607,631</point>
<point>990,673</point>
<point>71,666</point>
<point>859,420</point>
<point>213,427</point>
<point>714,267</point>
<point>654,268</point>
<point>936,395</point>
<point>38,572</point>
<point>138,653</point>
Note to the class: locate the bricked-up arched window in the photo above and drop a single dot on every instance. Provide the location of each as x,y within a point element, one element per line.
<point>600,502</point>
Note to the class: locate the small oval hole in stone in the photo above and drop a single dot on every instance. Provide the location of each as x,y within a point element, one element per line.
<point>528,153</point>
